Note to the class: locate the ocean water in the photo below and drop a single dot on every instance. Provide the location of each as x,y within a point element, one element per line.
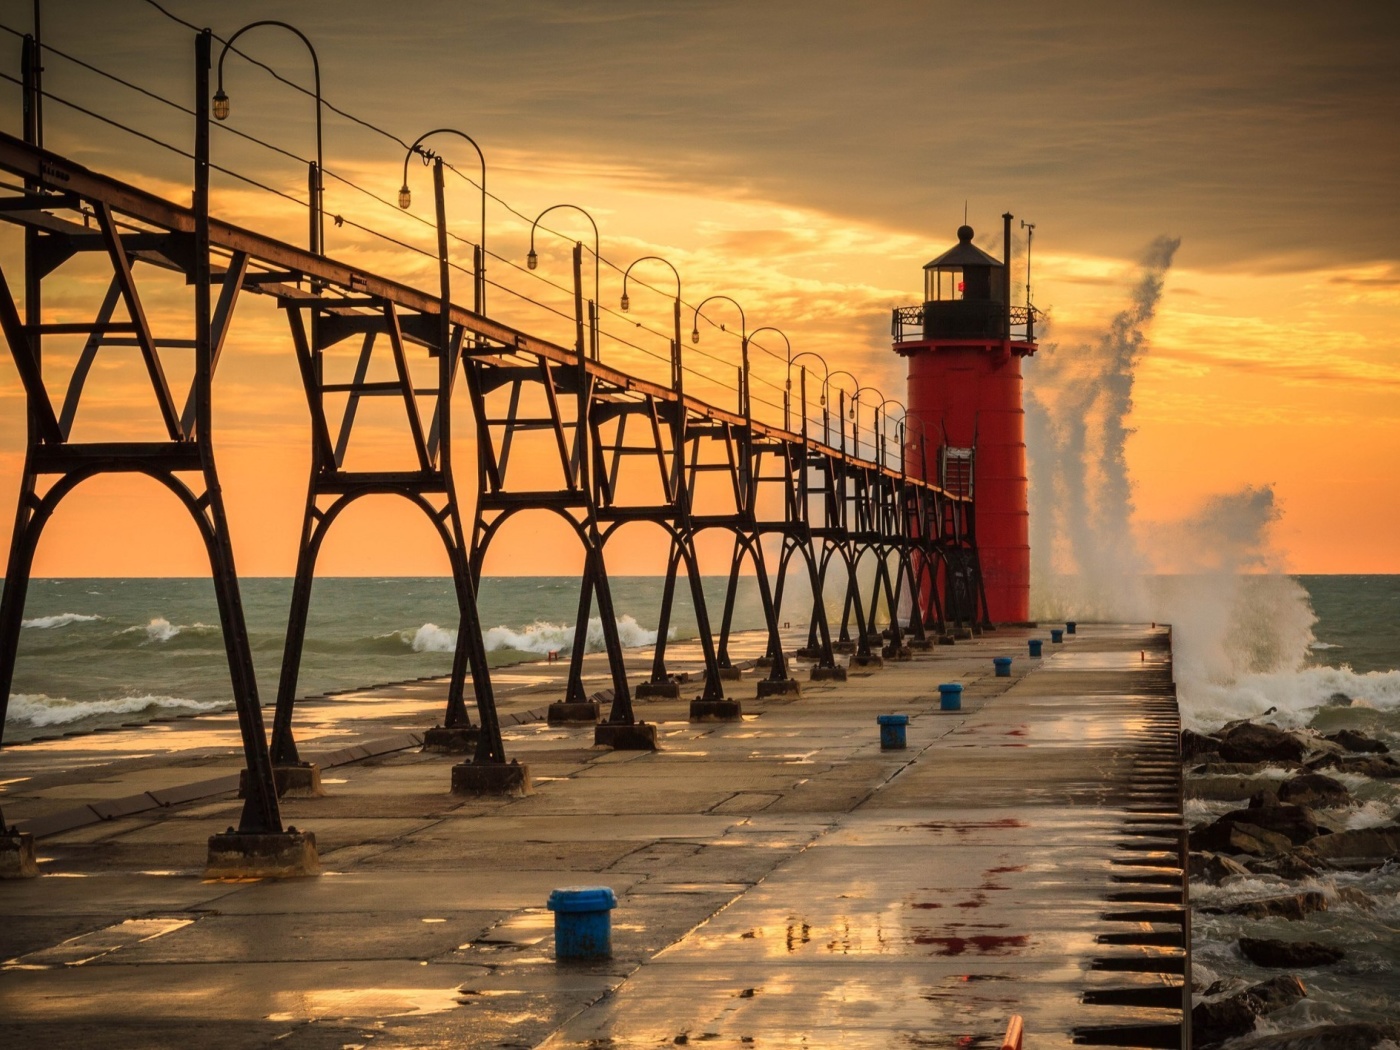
<point>100,652</point>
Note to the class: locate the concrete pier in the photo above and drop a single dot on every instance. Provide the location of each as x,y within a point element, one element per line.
<point>781,881</point>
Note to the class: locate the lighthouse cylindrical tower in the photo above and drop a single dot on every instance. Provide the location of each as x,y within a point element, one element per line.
<point>964,347</point>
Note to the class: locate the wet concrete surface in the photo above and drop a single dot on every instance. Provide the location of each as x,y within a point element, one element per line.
<point>781,881</point>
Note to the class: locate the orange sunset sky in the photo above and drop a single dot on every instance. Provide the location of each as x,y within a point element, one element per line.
<point>806,158</point>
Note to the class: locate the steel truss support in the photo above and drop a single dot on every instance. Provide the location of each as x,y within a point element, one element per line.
<point>58,228</point>
<point>318,323</point>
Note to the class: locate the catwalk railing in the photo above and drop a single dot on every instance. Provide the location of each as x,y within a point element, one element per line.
<point>606,450</point>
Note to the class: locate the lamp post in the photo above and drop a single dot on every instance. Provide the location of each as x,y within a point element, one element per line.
<point>677,381</point>
<point>855,426</point>
<point>406,198</point>
<point>533,261</point>
<point>315,181</point>
<point>841,403</point>
<point>880,441</point>
<point>743,348</point>
<point>787,387</point>
<point>826,377</point>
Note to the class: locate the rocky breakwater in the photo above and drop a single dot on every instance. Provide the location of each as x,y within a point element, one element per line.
<point>1295,869</point>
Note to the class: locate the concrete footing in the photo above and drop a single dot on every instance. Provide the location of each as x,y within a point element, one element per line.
<point>17,856</point>
<point>730,674</point>
<point>716,710</point>
<point>299,781</point>
<point>785,687</point>
<point>564,712</point>
<point>962,635</point>
<point>510,779</point>
<point>764,662</point>
<point>281,855</point>
<point>828,674</point>
<point>867,662</point>
<point>626,736</point>
<point>843,647</point>
<point>808,652</point>
<point>658,691</point>
<point>902,652</point>
<point>920,643</point>
<point>453,740</point>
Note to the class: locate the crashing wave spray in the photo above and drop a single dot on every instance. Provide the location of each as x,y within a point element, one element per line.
<point>1229,629</point>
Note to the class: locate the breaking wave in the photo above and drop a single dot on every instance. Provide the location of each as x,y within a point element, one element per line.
<point>37,710</point>
<point>159,629</point>
<point>60,620</point>
<point>540,637</point>
<point>1288,698</point>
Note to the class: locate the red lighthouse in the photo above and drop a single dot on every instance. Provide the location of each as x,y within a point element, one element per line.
<point>965,346</point>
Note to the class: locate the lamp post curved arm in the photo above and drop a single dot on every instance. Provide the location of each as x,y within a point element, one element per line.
<point>826,369</point>
<point>841,400</point>
<point>787,386</point>
<point>677,382</point>
<point>880,439</point>
<point>532,260</point>
<point>743,346</point>
<point>855,417</point>
<point>221,111</point>
<point>406,198</point>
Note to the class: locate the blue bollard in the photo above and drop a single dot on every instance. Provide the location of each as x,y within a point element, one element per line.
<point>892,731</point>
<point>1035,644</point>
<point>582,923</point>
<point>950,696</point>
<point>1057,635</point>
<point>1003,666</point>
<point>1070,625</point>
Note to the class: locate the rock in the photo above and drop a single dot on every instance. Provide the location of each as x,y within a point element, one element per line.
<point>1359,847</point>
<point>1229,1018</point>
<point>1194,745</point>
<point>1377,767</point>
<point>1288,954</point>
<point>1278,992</point>
<point>1240,837</point>
<point>1214,868</point>
<point>1248,742</point>
<point>1353,741</point>
<point>1302,863</point>
<point>1226,788</point>
<point>1339,700</point>
<point>1314,789</point>
<point>1292,907</point>
<point>1356,1035</point>
<point>1213,1023</point>
<point>1294,823</point>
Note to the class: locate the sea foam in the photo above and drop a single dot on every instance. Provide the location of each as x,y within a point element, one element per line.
<point>539,637</point>
<point>59,620</point>
<point>38,710</point>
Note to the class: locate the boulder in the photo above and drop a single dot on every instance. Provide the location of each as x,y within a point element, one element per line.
<point>1377,767</point>
<point>1194,745</point>
<point>1294,823</point>
<point>1353,741</point>
<point>1359,847</point>
<point>1355,1035</point>
<point>1250,742</point>
<point>1214,1022</point>
<point>1289,954</point>
<point>1292,907</point>
<point>1214,768</point>
<point>1302,863</point>
<point>1214,868</point>
<point>1240,837</point>
<point>1314,789</point>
